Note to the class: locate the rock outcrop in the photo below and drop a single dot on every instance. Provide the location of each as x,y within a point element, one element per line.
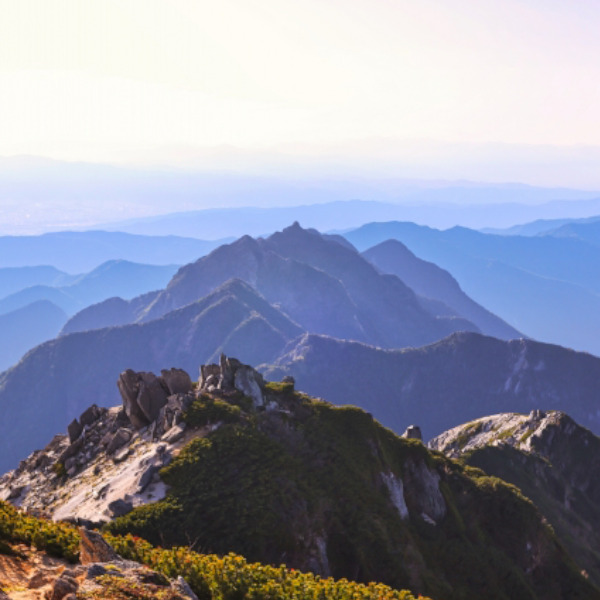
<point>230,374</point>
<point>93,548</point>
<point>122,449</point>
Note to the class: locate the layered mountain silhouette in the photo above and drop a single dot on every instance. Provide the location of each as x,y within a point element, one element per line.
<point>446,383</point>
<point>27,327</point>
<point>116,278</point>
<point>250,298</point>
<point>431,281</point>
<point>323,285</point>
<point>79,252</point>
<point>546,287</point>
<point>14,279</point>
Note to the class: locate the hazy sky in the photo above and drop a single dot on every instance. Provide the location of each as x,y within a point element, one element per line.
<point>116,80</point>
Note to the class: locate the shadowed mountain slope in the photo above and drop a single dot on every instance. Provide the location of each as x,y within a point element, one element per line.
<point>452,381</point>
<point>431,281</point>
<point>325,286</point>
<point>546,287</point>
<point>552,459</point>
<point>14,279</point>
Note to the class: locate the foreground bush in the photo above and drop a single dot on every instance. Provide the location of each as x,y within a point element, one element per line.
<point>57,539</point>
<point>231,577</point>
<point>212,577</point>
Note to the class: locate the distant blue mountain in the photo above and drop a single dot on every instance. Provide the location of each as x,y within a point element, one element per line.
<point>471,206</point>
<point>14,279</point>
<point>79,252</point>
<point>541,226</point>
<point>545,286</point>
<point>27,327</point>
<point>114,278</point>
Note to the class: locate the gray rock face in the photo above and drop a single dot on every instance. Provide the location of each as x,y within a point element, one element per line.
<point>422,492</point>
<point>119,439</point>
<point>91,415</point>
<point>74,430</point>
<point>413,432</point>
<point>121,507</point>
<point>250,383</point>
<point>152,395</point>
<point>177,381</point>
<point>143,396</point>
<point>230,375</point>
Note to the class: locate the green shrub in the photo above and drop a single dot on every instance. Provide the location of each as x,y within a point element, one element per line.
<point>206,411</point>
<point>57,539</point>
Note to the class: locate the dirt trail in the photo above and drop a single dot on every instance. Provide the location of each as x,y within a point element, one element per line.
<point>29,577</point>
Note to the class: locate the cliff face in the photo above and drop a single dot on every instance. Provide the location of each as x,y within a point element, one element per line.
<point>552,459</point>
<point>240,464</point>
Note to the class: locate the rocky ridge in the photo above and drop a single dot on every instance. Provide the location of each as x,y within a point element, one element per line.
<point>109,461</point>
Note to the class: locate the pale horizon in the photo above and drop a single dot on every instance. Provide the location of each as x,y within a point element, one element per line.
<point>186,83</point>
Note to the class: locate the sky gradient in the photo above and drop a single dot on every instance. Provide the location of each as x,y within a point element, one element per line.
<point>192,82</point>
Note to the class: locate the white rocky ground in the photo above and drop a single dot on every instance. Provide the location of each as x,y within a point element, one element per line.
<point>514,429</point>
<point>105,485</point>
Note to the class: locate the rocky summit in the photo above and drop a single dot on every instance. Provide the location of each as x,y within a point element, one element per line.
<point>235,463</point>
<point>108,462</point>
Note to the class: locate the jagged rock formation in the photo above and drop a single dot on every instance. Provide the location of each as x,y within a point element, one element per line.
<point>59,379</point>
<point>230,374</point>
<point>122,449</point>
<point>552,459</point>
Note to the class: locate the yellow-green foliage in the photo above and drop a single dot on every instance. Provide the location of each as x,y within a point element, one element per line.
<point>212,577</point>
<point>58,539</point>
<point>231,577</point>
<point>275,387</point>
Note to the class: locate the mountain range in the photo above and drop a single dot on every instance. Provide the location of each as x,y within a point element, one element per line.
<point>547,287</point>
<point>80,252</point>
<point>284,301</point>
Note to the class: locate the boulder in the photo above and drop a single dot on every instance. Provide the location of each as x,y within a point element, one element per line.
<point>62,587</point>
<point>211,371</point>
<point>413,432</point>
<point>128,385</point>
<point>174,434</point>
<point>74,430</point>
<point>250,383</point>
<point>143,395</point>
<point>120,507</point>
<point>152,396</point>
<point>91,415</point>
<point>93,548</point>
<point>177,381</point>
<point>181,587</point>
<point>119,439</point>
